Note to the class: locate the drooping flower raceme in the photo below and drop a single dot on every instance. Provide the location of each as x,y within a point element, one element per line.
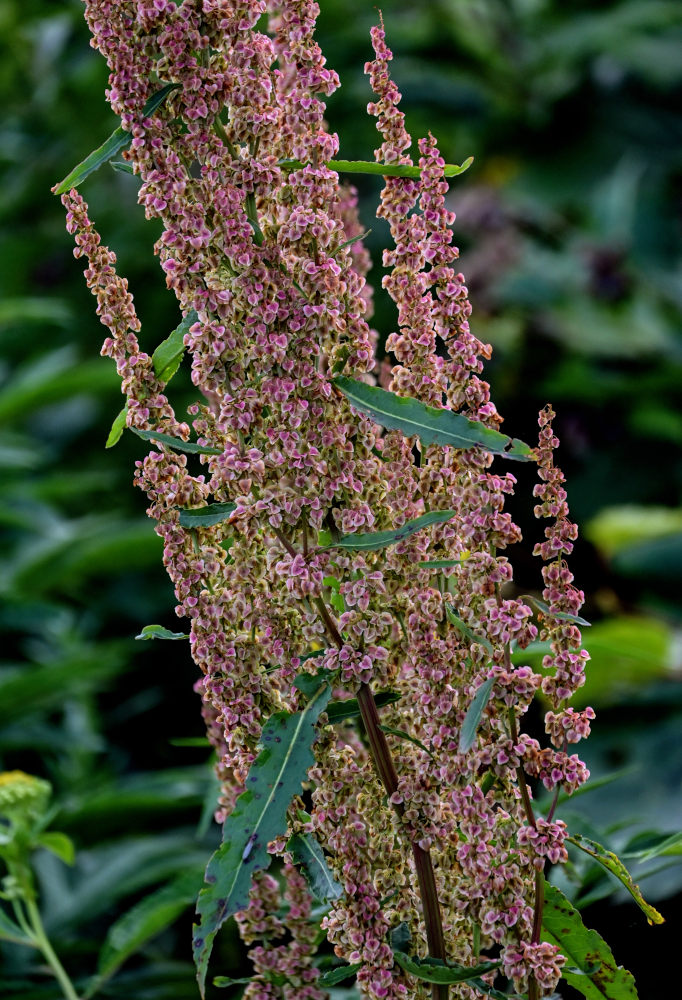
<point>260,242</point>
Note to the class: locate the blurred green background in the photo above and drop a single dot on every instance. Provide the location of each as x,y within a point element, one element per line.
<point>569,224</point>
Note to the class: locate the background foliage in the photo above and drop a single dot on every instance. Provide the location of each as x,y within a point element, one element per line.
<point>569,223</point>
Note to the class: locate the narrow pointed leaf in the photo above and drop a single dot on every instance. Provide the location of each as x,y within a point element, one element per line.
<point>671,845</point>
<point>339,711</point>
<point>258,817</point>
<point>145,920</point>
<point>381,169</point>
<point>439,563</point>
<point>117,428</point>
<point>335,976</point>
<point>402,735</point>
<point>222,982</point>
<point>177,443</point>
<point>432,970</point>
<point>118,140</point>
<point>121,167</point>
<point>562,616</point>
<point>584,949</point>
<point>612,863</point>
<point>168,355</point>
<point>466,631</point>
<point>429,424</point>
<point>159,632</point>
<point>467,734</point>
<point>381,539</point>
<point>206,517</point>
<point>307,853</point>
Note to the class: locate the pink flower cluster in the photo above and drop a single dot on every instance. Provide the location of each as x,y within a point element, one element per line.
<point>255,231</point>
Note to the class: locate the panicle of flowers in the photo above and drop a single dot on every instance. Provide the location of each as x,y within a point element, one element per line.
<point>255,241</point>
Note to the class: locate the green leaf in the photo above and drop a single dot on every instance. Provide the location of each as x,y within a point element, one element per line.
<point>121,167</point>
<point>190,741</point>
<point>561,616</point>
<point>145,920</point>
<point>339,711</point>
<point>612,863</point>
<point>118,140</point>
<point>488,991</point>
<point>307,853</point>
<point>9,931</point>
<point>584,949</point>
<point>168,355</point>
<point>222,982</point>
<point>434,970</point>
<point>466,631</point>
<point>402,735</point>
<point>439,563</point>
<point>381,169</point>
<point>381,539</point>
<point>117,428</point>
<point>667,846</point>
<point>337,975</point>
<point>206,517</point>
<point>59,844</point>
<point>159,632</point>
<point>429,424</point>
<point>258,817</point>
<point>177,443</point>
<point>467,734</point>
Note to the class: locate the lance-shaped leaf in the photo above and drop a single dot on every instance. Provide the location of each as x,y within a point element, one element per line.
<point>307,853</point>
<point>222,982</point>
<point>381,539</point>
<point>168,355</point>
<point>335,976</point>
<point>599,977</point>
<point>402,735</point>
<point>468,633</point>
<point>562,616</point>
<point>177,443</point>
<point>159,632</point>
<point>339,711</point>
<point>434,970</point>
<point>429,424</point>
<point>144,921</point>
<point>118,140</point>
<point>258,817</point>
<point>439,563</point>
<point>206,517</point>
<point>467,734</point>
<point>117,428</point>
<point>664,847</point>
<point>381,169</point>
<point>612,863</point>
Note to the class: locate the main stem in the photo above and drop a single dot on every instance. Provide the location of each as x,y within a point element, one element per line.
<point>383,761</point>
